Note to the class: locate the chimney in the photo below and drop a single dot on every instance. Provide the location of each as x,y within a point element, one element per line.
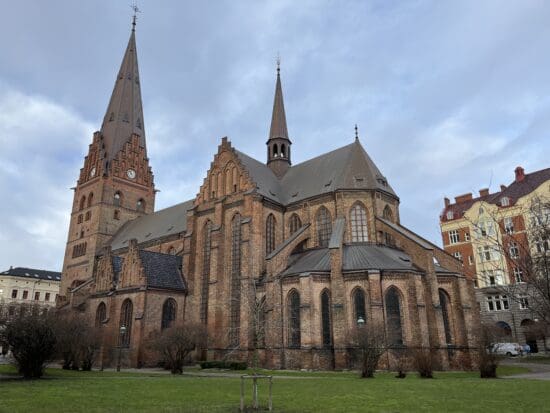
<point>484,192</point>
<point>463,198</point>
<point>520,174</point>
<point>447,202</point>
<point>502,187</point>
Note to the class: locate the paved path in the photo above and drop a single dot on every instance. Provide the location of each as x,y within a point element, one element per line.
<point>539,371</point>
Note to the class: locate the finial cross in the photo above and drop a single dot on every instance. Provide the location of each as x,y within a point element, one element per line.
<point>278,63</point>
<point>136,10</point>
<point>356,132</point>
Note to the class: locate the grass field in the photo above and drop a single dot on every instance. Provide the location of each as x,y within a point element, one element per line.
<point>66,391</point>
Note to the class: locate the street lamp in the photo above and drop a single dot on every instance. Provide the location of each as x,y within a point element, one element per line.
<point>360,321</point>
<point>122,331</point>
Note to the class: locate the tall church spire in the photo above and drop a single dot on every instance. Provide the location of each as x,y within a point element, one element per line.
<point>124,115</point>
<point>278,144</point>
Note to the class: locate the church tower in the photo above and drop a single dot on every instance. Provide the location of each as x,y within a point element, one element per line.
<point>278,144</point>
<point>116,182</point>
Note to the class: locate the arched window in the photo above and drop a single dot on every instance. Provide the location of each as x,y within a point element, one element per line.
<point>100,314</point>
<point>295,223</point>
<point>393,317</point>
<point>116,214</point>
<point>504,329</point>
<point>206,249</point>
<point>168,313</point>
<point>359,306</point>
<point>387,214</point>
<point>358,219</point>
<point>90,199</point>
<point>140,205</point>
<point>117,198</point>
<point>219,180</point>
<point>445,302</point>
<point>235,179</point>
<point>275,151</point>
<point>325,319</point>
<point>82,203</point>
<point>270,234</point>
<point>88,215</point>
<point>80,219</point>
<point>213,184</point>
<point>235,306</point>
<point>228,180</point>
<point>283,150</point>
<point>324,226</point>
<point>294,337</point>
<point>126,312</point>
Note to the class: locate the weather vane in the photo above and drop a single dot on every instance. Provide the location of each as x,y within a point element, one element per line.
<point>278,63</point>
<point>356,132</point>
<point>136,10</point>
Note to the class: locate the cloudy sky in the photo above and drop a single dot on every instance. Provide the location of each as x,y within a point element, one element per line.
<point>449,96</point>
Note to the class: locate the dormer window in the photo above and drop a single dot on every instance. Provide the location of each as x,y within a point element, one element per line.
<point>450,215</point>
<point>505,201</point>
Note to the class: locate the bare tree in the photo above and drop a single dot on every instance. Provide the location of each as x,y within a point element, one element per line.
<point>175,343</point>
<point>523,252</point>
<point>424,362</point>
<point>370,343</point>
<point>77,340</point>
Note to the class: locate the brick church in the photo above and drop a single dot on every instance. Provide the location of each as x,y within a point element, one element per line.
<point>317,247</point>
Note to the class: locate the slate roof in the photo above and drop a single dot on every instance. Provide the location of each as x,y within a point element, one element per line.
<point>33,273</point>
<point>514,191</point>
<point>356,256</point>
<point>409,234</point>
<point>349,167</point>
<point>161,270</point>
<point>168,221</point>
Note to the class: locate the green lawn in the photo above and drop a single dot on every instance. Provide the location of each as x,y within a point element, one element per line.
<point>65,391</point>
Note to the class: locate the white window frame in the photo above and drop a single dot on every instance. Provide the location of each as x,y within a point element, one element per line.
<point>518,275</point>
<point>514,250</point>
<point>458,255</point>
<point>523,302</point>
<point>454,236</point>
<point>450,215</point>
<point>505,201</point>
<point>497,303</point>
<point>508,225</point>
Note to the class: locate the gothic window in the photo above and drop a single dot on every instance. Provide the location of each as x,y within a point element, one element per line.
<point>140,205</point>
<point>228,180</point>
<point>82,203</point>
<point>270,234</point>
<point>168,313</point>
<point>294,338</point>
<point>393,317</point>
<point>126,321</point>
<point>80,219</point>
<point>387,214</point>
<point>90,199</point>
<point>275,151</point>
<point>359,305</point>
<point>116,214</point>
<point>325,318</point>
<point>445,304</point>
<point>213,184</point>
<point>235,306</point>
<point>117,198</point>
<point>206,247</point>
<point>324,226</point>
<point>283,150</point>
<point>359,230</point>
<point>88,215</point>
<point>220,184</point>
<point>295,223</point>
<point>100,314</point>
<point>235,179</point>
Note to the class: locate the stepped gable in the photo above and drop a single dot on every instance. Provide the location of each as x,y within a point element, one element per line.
<point>349,167</point>
<point>168,221</point>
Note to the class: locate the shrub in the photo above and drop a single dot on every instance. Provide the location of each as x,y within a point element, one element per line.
<point>30,335</point>
<point>370,344</point>
<point>176,343</point>
<point>402,362</point>
<point>77,341</point>
<point>423,361</point>
<point>221,364</point>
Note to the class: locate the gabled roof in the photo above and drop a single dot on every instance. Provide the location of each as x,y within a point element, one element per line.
<point>33,273</point>
<point>514,191</point>
<point>165,222</point>
<point>124,115</point>
<point>348,167</point>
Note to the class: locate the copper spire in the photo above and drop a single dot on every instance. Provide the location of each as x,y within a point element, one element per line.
<point>278,119</point>
<point>124,115</point>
